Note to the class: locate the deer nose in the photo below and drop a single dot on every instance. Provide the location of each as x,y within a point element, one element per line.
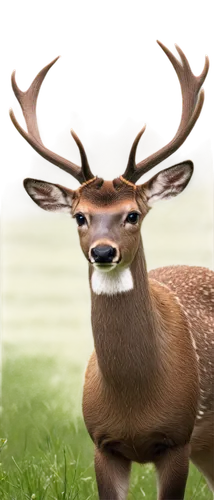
<point>103,254</point>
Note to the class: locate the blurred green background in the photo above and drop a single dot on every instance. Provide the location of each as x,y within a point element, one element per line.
<point>47,341</point>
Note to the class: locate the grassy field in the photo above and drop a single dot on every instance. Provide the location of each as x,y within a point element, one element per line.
<point>47,340</point>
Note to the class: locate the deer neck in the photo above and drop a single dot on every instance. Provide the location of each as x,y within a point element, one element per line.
<point>125,328</point>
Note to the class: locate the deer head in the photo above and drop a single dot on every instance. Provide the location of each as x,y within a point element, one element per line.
<point>109,213</point>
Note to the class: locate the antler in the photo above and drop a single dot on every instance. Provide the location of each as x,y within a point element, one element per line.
<point>192,102</point>
<point>27,101</point>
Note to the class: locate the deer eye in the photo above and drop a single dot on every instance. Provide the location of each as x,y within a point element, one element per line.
<point>80,218</point>
<point>133,217</point>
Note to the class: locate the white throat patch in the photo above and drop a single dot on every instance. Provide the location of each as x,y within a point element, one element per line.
<point>112,282</point>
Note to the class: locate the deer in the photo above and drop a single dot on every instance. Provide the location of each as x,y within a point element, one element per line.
<point>148,390</point>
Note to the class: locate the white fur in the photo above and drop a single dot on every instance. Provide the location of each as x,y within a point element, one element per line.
<point>112,282</point>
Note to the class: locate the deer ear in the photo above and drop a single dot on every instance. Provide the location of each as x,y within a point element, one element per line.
<point>168,183</point>
<point>52,197</point>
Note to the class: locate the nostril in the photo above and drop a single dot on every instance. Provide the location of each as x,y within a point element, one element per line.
<point>112,252</point>
<point>94,253</point>
<point>103,253</point>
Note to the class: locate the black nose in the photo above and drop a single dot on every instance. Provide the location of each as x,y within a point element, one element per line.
<point>103,253</point>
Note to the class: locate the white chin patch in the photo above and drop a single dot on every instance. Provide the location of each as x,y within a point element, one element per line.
<point>112,282</point>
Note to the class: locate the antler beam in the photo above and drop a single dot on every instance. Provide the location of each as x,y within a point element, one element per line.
<point>28,101</point>
<point>192,102</point>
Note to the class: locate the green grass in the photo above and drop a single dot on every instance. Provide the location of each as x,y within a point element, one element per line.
<point>46,343</point>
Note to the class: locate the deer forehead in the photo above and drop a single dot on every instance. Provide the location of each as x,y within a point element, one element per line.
<point>115,208</point>
<point>106,196</point>
<point>111,210</point>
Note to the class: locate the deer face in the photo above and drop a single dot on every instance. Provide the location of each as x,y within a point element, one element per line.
<point>109,228</point>
<point>109,214</point>
<point>108,219</point>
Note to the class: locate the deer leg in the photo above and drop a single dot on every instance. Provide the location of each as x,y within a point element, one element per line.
<point>172,470</point>
<point>112,474</point>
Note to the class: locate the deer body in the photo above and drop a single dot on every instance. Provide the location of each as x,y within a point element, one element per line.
<point>148,385</point>
<point>159,359</point>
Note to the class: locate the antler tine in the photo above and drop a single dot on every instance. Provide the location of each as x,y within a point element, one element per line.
<point>192,102</point>
<point>28,101</point>
<point>131,167</point>
<point>85,166</point>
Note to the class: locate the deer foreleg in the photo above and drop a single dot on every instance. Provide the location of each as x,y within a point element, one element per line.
<point>172,469</point>
<point>112,474</point>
